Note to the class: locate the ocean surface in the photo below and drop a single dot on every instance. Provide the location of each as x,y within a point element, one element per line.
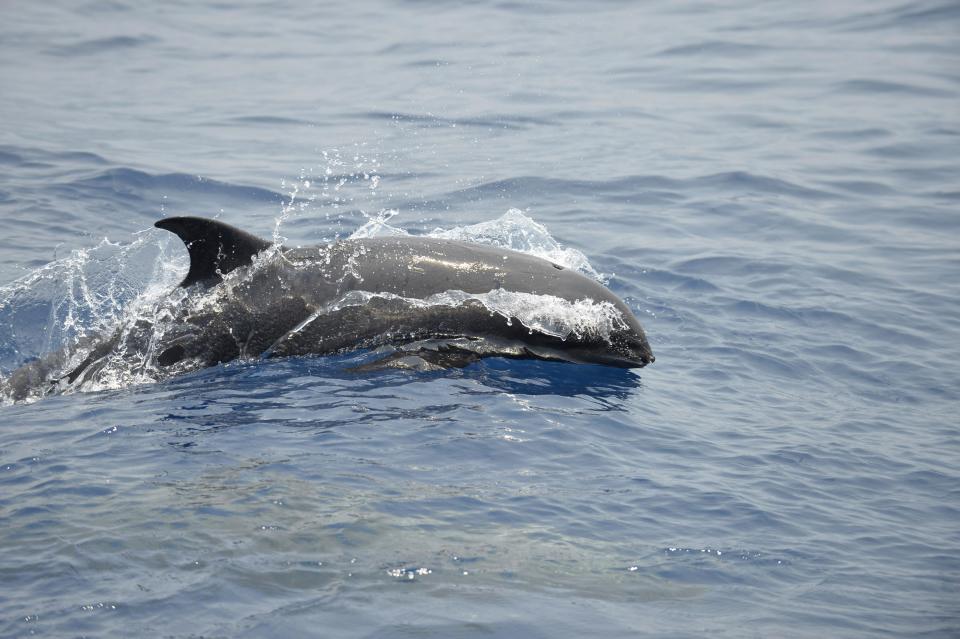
<point>772,187</point>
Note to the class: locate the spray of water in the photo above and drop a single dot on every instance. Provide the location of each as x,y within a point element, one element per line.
<point>545,314</point>
<point>65,307</point>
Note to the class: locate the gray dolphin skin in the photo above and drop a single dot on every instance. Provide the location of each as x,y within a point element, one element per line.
<point>361,294</point>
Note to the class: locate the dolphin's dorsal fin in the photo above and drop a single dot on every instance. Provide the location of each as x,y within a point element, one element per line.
<point>215,248</point>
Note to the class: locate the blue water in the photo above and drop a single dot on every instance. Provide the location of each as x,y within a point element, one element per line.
<point>773,187</point>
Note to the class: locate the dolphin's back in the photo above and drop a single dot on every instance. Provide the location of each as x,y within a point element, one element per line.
<point>422,266</point>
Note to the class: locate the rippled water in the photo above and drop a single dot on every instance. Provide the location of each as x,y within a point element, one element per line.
<point>771,187</point>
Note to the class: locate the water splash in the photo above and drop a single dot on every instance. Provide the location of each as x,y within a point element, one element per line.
<point>515,230</point>
<point>87,293</point>
<point>378,226</point>
<point>345,177</point>
<point>545,314</point>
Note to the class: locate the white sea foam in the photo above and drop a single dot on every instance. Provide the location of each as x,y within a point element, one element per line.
<point>377,226</point>
<point>546,314</point>
<point>516,231</point>
<point>88,292</point>
<point>72,302</point>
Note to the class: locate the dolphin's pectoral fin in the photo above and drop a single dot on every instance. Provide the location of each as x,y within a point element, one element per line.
<point>424,359</point>
<point>87,366</point>
<point>445,353</point>
<point>215,248</point>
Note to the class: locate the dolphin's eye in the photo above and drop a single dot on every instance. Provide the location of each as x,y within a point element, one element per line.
<point>171,356</point>
<point>557,266</point>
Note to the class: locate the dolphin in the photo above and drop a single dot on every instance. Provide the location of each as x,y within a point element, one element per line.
<point>428,303</point>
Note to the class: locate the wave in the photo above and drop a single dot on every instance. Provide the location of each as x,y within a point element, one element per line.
<point>885,87</point>
<point>127,180</point>
<point>270,120</point>
<point>912,15</point>
<point>28,157</point>
<point>102,45</point>
<point>714,49</point>
<point>631,187</point>
<point>429,120</point>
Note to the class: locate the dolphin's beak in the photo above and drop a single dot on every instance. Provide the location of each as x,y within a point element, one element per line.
<point>646,353</point>
<point>627,350</point>
<point>640,353</point>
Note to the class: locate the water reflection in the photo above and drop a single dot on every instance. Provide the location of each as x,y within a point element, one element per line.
<point>324,392</point>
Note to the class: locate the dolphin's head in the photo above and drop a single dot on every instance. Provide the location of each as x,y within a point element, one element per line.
<point>621,353</point>
<point>635,348</point>
<point>619,339</point>
<point>624,348</point>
